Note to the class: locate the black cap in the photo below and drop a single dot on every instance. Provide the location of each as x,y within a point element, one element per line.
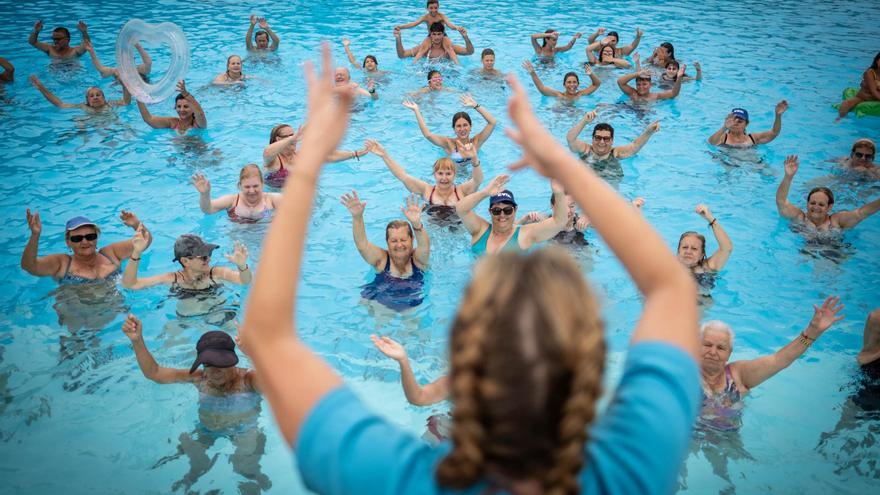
<point>217,349</point>
<point>189,245</point>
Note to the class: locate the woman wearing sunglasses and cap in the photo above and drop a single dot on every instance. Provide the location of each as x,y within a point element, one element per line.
<point>87,263</point>
<point>861,158</point>
<point>503,233</point>
<point>733,133</point>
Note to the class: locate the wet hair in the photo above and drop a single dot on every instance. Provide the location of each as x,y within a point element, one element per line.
<point>669,48</point>
<point>273,134</point>
<point>261,33</point>
<point>864,143</point>
<point>248,171</point>
<point>602,126</point>
<point>437,2</point>
<point>437,27</point>
<point>62,30</point>
<point>614,33</point>
<point>102,94</point>
<point>460,115</point>
<point>487,51</point>
<point>602,49</point>
<point>445,163</point>
<point>702,239</point>
<point>178,98</point>
<point>569,74</point>
<point>824,190</point>
<point>396,224</point>
<point>544,40</point>
<point>432,72</point>
<point>876,63</point>
<point>718,326</point>
<point>370,57</point>
<point>527,356</point>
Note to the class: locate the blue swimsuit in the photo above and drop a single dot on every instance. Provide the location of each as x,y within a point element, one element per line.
<point>394,292</point>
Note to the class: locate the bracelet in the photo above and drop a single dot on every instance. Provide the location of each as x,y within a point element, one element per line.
<point>246,268</point>
<point>132,258</point>
<point>476,106</point>
<point>372,91</point>
<point>355,153</point>
<point>418,229</point>
<point>804,340</point>
<point>712,223</point>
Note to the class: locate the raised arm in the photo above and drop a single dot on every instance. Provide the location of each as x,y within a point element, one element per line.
<point>272,151</point>
<point>676,87</point>
<point>130,278</point>
<point>416,395</point>
<point>464,207</point>
<point>544,90</point>
<point>274,39</point>
<point>84,31</point>
<point>50,95</point>
<point>284,362</point>
<point>535,45</point>
<point>430,136</point>
<point>242,275</point>
<point>371,253</point>
<point>571,137</point>
<point>124,101</point>
<point>725,246</point>
<point>755,371</point>
<point>851,218</point>
<point>133,329</point>
<point>626,50</point>
<point>8,74</point>
<point>249,36</point>
<point>30,262</point>
<point>623,84</point>
<point>206,204</point>
<point>591,55</point>
<point>472,184</point>
<point>346,45</point>
<point>101,68</point>
<point>34,41</point>
<point>445,20</point>
<point>411,183</point>
<point>481,137</point>
<point>669,312</point>
<point>152,120</point>
<point>786,209</point>
<point>595,82</point>
<point>718,137</point>
<point>198,113</point>
<point>592,38</point>
<point>118,251</point>
<point>560,49</point>
<point>412,24</point>
<point>413,213</point>
<point>767,136</point>
<point>549,227</point>
<point>636,146</point>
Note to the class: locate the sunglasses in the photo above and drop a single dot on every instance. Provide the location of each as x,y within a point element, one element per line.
<point>437,78</point>
<point>863,156</point>
<point>203,258</point>
<point>76,239</point>
<point>607,139</point>
<point>507,210</point>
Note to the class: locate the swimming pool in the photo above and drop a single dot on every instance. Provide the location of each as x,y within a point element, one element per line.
<point>78,416</point>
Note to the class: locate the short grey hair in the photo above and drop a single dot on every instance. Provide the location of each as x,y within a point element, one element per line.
<point>718,326</point>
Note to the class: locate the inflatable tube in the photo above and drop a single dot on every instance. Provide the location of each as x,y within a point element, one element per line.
<point>863,108</point>
<point>137,30</point>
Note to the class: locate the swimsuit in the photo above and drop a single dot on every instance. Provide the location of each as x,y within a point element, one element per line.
<point>745,145</point>
<point>276,178</point>
<point>459,159</point>
<point>441,211</point>
<point>572,237</point>
<point>607,168</point>
<point>394,292</point>
<point>236,217</point>
<point>723,410</point>
<point>512,244</point>
<point>71,278</point>
<point>186,293</point>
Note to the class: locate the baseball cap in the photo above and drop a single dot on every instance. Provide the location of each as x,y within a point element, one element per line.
<point>189,245</point>
<point>741,113</point>
<point>504,196</point>
<point>77,222</point>
<point>215,348</point>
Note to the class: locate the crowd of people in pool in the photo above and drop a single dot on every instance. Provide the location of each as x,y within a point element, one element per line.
<point>527,349</point>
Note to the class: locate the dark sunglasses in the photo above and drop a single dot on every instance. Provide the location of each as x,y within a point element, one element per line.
<point>507,210</point>
<point>863,156</point>
<point>79,238</point>
<point>203,258</point>
<point>607,139</point>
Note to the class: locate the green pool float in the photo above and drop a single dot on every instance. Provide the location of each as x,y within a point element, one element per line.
<point>863,108</point>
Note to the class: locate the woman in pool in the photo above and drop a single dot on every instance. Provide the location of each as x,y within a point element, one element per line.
<point>280,155</point>
<point>692,246</point>
<point>461,148</point>
<point>528,327</point>
<point>88,263</point>
<point>733,133</point>
<point>503,233</point>
<point>370,66</point>
<point>571,82</point>
<point>444,193</point>
<point>662,55</point>
<point>399,268</point>
<point>861,158</point>
<point>251,204</point>
<point>548,47</point>
<point>869,90</point>
<point>233,74</point>
<point>670,75</point>
<point>95,100</point>
<point>725,384</point>
<point>820,200</point>
<point>196,274</point>
<point>189,113</point>
<point>606,57</point>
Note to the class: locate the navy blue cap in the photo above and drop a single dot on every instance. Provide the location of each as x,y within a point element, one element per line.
<point>504,196</point>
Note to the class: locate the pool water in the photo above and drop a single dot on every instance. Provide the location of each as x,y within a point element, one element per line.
<point>77,416</point>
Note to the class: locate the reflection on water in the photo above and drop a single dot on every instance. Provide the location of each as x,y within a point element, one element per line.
<point>88,306</point>
<point>718,448</point>
<point>193,151</point>
<point>823,245</point>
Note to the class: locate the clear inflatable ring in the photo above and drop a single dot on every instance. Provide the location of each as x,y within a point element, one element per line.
<point>137,30</point>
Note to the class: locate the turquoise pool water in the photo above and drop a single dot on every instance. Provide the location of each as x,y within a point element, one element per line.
<point>77,416</point>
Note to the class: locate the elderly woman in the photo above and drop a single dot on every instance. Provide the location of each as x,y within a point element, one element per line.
<point>189,113</point>
<point>281,153</point>
<point>444,193</point>
<point>88,263</point>
<point>503,233</point>
<point>725,384</point>
<point>571,82</point>
<point>233,74</point>
<point>399,268</point>
<point>692,246</point>
<point>733,133</point>
<point>528,327</point>
<point>461,148</point>
<point>820,200</point>
<point>249,205</point>
<point>94,102</point>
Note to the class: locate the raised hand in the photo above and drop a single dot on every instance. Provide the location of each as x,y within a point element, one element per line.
<point>528,67</point>
<point>411,105</point>
<point>253,19</point>
<point>653,127</point>
<point>698,67</point>
<point>329,108</point>
<point>781,107</point>
<point>38,26</point>
<point>540,150</point>
<point>239,255</point>
<point>34,222</point>
<point>533,217</point>
<point>263,23</point>
<point>375,148</point>
<point>468,100</point>
<point>35,80</point>
<point>129,219</point>
<point>639,32</point>
<point>587,69</point>
<point>462,30</point>
<point>600,31</point>
<point>791,165</point>
<point>556,187</point>
<point>644,74</point>
<point>826,315</point>
<point>397,32</point>
<point>353,203</point>
<point>704,212</point>
<point>582,223</point>
<point>389,347</point>
<point>577,36</point>
<point>413,211</point>
<point>638,203</point>
<point>139,241</point>
<point>133,328</point>
<point>728,121</point>
<point>201,183</point>
<point>345,42</point>
<point>496,185</point>
<point>181,87</point>
<point>636,58</point>
<point>88,45</point>
<point>681,70</point>
<point>591,115</point>
<point>81,25</point>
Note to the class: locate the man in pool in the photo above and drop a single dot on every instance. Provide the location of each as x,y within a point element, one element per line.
<point>342,76</point>
<point>438,45</point>
<point>261,39</point>
<point>642,91</point>
<point>487,58</point>
<point>60,47</point>
<point>229,405</point>
<point>602,146</point>
<point>733,133</point>
<point>612,39</point>
<point>861,158</point>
